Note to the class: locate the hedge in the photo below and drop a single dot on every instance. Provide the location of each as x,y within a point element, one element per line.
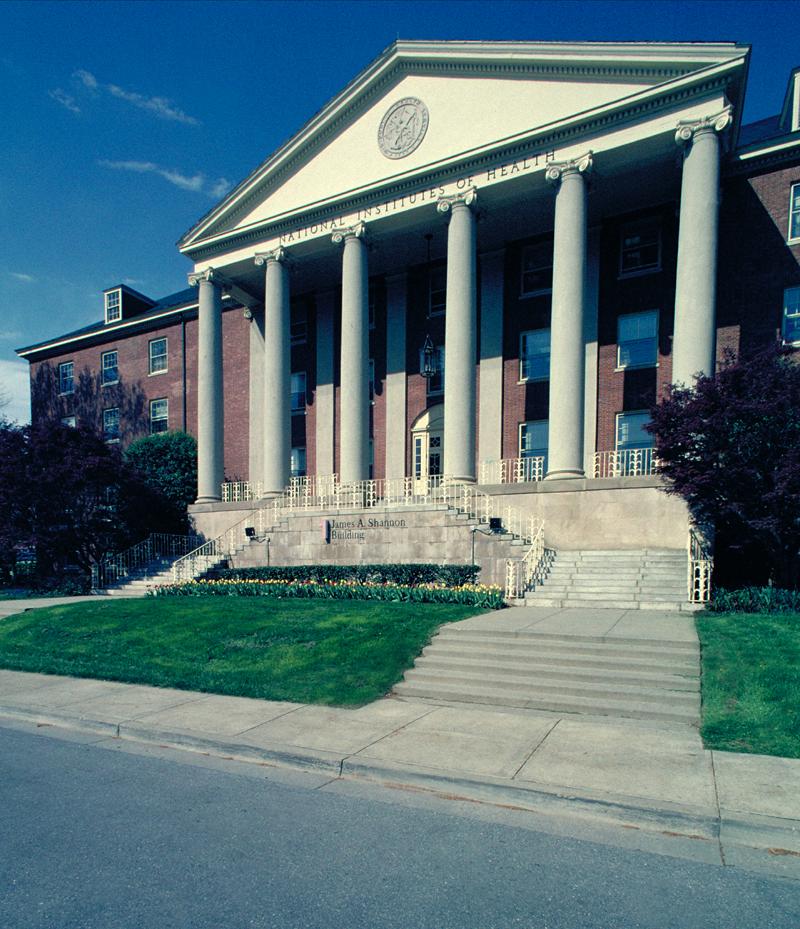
<point>490,598</point>
<point>755,600</point>
<point>403,575</point>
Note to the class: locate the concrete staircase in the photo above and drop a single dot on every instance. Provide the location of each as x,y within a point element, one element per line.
<point>639,678</point>
<point>137,583</point>
<point>648,579</point>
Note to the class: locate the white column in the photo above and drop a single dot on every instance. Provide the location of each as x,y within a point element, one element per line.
<point>324,400</point>
<point>256,404</point>
<point>490,412</point>
<point>354,374</point>
<point>460,338</point>
<point>567,355</point>
<point>693,344</point>
<point>590,344</point>
<point>396,431</point>
<point>210,448</point>
<point>277,371</point>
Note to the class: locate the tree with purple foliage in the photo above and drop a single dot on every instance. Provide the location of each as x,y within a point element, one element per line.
<point>730,446</point>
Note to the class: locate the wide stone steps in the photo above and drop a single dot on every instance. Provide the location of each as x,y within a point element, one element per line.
<point>656,679</point>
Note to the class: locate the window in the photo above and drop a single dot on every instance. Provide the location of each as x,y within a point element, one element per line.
<point>533,440</point>
<point>640,247</point>
<point>298,390</point>
<point>790,330</point>
<point>113,306</point>
<point>537,269</point>
<point>109,373</point>
<point>631,432</point>
<point>159,415</point>
<point>435,383</point>
<point>158,356</point>
<point>534,355</point>
<point>69,421</point>
<point>66,377</point>
<point>637,340</point>
<point>794,212</point>
<point>371,379</point>
<point>297,462</point>
<point>437,291</point>
<point>298,326</point>
<point>111,425</point>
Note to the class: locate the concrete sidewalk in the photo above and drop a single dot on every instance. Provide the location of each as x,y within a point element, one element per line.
<point>646,775</point>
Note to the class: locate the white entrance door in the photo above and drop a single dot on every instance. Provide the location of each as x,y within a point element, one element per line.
<point>427,445</point>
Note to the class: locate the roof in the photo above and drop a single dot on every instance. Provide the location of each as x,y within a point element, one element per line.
<point>182,299</point>
<point>760,131</point>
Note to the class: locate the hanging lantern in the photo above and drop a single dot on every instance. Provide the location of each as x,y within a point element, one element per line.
<point>428,354</point>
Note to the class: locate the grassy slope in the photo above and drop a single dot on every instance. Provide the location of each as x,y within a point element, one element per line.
<point>341,653</point>
<point>751,682</point>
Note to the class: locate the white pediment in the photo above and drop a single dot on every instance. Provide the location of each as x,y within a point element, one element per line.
<point>468,110</point>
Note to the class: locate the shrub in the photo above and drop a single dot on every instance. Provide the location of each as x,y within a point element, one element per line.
<point>476,595</point>
<point>755,600</point>
<point>404,575</point>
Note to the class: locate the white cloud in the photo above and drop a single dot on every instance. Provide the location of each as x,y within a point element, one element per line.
<point>9,335</point>
<point>65,99</point>
<point>220,187</point>
<point>194,182</point>
<point>15,388</point>
<point>161,107</point>
<point>25,278</point>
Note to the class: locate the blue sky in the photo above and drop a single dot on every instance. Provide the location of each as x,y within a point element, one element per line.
<point>123,123</point>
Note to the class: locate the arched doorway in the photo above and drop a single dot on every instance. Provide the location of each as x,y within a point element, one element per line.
<point>427,446</point>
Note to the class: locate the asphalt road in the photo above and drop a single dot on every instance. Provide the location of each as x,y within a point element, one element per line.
<point>111,837</point>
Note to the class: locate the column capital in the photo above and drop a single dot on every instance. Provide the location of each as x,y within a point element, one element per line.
<point>279,254</point>
<point>356,231</point>
<point>715,122</point>
<point>558,170</point>
<point>468,198</point>
<point>206,276</point>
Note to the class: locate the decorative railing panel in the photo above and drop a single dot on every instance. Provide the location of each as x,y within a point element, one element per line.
<point>701,567</point>
<point>627,462</point>
<point>511,471</point>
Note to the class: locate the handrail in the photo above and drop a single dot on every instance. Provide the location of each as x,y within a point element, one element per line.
<point>701,567</point>
<point>511,470</point>
<point>208,554</point>
<point>113,569</point>
<point>625,462</point>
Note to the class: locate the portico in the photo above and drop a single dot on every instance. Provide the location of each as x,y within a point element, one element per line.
<point>424,184</point>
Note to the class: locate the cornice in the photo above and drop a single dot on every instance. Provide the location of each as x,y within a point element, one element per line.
<point>542,138</point>
<point>588,60</point>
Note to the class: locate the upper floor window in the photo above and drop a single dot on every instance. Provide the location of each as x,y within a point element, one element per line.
<point>637,340</point>
<point>534,355</point>
<point>534,439</point>
<point>69,421</point>
<point>159,415</point>
<point>437,291</point>
<point>113,305</point>
<point>111,425</point>
<point>435,383</point>
<point>298,326</point>
<point>640,247</point>
<point>537,269</point>
<point>66,377</point>
<point>794,212</point>
<point>790,329</point>
<point>158,356</point>
<point>298,391</point>
<point>109,373</point>
<point>631,432</point>
<point>297,462</point>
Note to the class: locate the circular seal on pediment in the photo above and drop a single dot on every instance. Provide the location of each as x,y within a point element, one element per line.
<point>403,127</point>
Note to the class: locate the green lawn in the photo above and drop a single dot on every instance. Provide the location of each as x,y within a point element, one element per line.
<point>751,682</point>
<point>341,653</point>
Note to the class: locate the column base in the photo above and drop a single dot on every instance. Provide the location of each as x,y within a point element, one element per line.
<point>270,494</point>
<point>567,475</point>
<point>457,479</point>
<point>208,499</point>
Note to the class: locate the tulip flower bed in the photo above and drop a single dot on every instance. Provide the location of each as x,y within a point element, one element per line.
<point>478,595</point>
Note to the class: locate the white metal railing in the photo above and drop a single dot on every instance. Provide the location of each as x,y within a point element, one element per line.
<point>237,491</point>
<point>626,462</point>
<point>701,566</point>
<point>112,570</point>
<point>511,471</point>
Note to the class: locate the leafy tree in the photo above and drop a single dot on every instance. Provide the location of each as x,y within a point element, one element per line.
<point>167,462</point>
<point>730,446</point>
